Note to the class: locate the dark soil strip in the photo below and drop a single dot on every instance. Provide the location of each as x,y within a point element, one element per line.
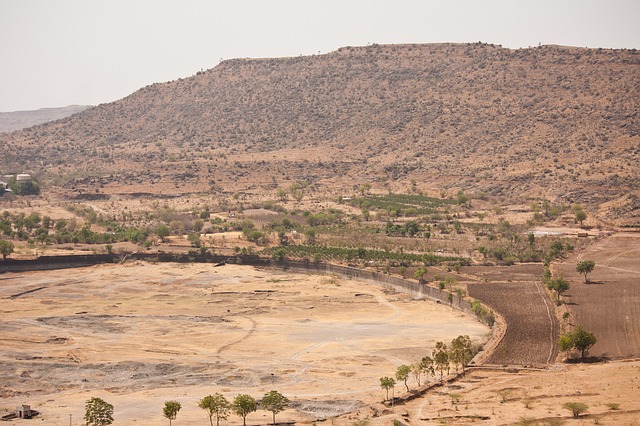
<point>14,296</point>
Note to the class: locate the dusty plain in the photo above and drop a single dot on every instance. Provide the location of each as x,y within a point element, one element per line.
<point>138,334</point>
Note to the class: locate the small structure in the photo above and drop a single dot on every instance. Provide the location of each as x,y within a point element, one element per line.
<point>23,177</point>
<point>24,412</point>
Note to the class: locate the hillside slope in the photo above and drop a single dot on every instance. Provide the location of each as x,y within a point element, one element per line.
<point>542,122</point>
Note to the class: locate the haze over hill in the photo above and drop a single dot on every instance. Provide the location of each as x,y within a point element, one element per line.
<point>16,120</point>
<point>554,122</point>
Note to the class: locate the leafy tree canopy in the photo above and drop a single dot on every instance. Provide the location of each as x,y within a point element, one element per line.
<point>98,412</point>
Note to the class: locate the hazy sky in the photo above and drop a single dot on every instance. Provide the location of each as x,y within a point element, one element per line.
<point>61,52</point>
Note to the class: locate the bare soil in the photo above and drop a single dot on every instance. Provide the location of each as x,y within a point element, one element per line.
<point>609,305</point>
<point>139,334</point>
<point>516,293</point>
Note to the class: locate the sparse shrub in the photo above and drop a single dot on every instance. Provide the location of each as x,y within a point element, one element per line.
<point>576,408</point>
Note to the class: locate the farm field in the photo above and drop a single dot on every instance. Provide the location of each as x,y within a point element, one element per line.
<point>609,306</point>
<point>139,334</point>
<point>516,293</point>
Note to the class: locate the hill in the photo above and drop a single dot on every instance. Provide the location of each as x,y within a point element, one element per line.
<point>11,121</point>
<point>547,122</point>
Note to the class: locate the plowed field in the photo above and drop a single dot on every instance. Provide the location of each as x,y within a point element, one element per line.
<point>609,306</point>
<point>532,326</point>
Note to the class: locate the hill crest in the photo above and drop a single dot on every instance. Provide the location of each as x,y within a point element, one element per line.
<point>555,122</point>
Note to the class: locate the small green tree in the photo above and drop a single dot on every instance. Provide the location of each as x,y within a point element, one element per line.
<point>426,364</point>
<point>216,405</point>
<point>170,410</point>
<point>579,339</point>
<point>580,214</point>
<point>585,267</point>
<point>387,383</point>
<point>194,239</point>
<point>242,405</point>
<point>576,408</point>
<point>462,198</point>
<point>162,231</point>
<point>441,358</point>
<point>275,402</point>
<point>402,373</point>
<point>417,370</point>
<point>98,412</point>
<point>461,352</point>
<point>559,285</point>
<point>420,273</point>
<point>6,248</point>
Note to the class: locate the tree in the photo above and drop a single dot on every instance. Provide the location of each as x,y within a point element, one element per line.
<point>194,239</point>
<point>275,402</point>
<point>6,248</point>
<point>462,198</point>
<point>426,363</point>
<point>402,373</point>
<point>162,231</point>
<point>576,408</point>
<point>580,214</point>
<point>441,358</point>
<point>282,194</point>
<point>579,339</point>
<point>532,239</point>
<point>420,273</point>
<point>417,370</point>
<point>387,383</point>
<point>30,187</point>
<point>98,412</point>
<point>170,410</point>
<point>311,235</point>
<point>215,405</point>
<point>585,267</point>
<point>242,405</point>
<point>461,352</point>
<point>559,285</point>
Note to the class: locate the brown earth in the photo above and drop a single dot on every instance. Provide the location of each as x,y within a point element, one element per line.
<point>609,306</point>
<point>138,342</point>
<point>139,334</point>
<point>516,293</point>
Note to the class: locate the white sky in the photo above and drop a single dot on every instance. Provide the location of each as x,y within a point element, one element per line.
<point>61,52</point>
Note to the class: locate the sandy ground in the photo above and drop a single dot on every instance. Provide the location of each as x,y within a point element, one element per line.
<point>139,334</point>
<point>510,397</point>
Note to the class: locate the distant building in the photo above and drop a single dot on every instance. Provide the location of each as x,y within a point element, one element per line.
<point>23,177</point>
<point>24,412</point>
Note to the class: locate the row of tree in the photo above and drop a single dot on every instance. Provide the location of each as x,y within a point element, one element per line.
<point>459,354</point>
<point>98,412</point>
